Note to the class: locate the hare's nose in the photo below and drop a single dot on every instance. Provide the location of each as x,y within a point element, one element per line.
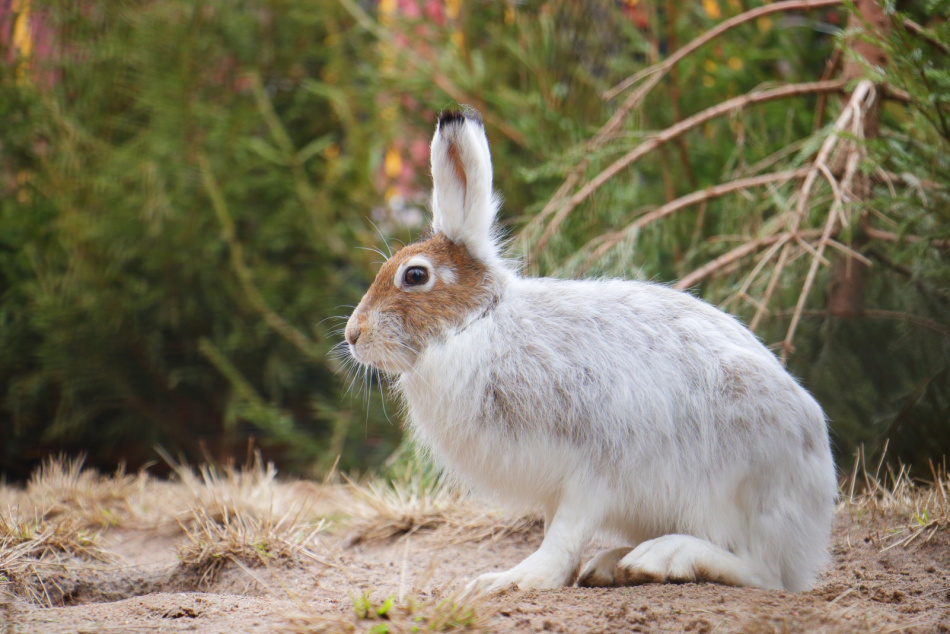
<point>352,333</point>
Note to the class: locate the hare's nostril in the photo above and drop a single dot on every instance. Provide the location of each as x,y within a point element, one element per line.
<point>352,334</point>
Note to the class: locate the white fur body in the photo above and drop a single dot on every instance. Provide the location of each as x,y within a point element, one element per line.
<point>666,415</point>
<point>622,409</point>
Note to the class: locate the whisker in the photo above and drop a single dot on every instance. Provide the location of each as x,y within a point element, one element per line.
<point>382,397</point>
<point>386,242</point>
<point>374,250</point>
<point>333,317</point>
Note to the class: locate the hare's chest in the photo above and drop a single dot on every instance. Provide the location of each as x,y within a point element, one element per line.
<point>445,407</point>
<point>451,414</point>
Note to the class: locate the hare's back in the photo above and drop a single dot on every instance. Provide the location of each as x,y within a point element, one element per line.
<point>635,356</point>
<point>629,316</point>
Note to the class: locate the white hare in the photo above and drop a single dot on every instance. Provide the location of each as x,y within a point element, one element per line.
<point>623,409</point>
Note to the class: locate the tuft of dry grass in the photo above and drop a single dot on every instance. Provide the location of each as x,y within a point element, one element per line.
<point>213,539</point>
<point>415,500</point>
<point>913,510</point>
<point>56,520</point>
<point>35,550</point>
<point>242,515</point>
<point>61,487</point>
<point>390,616</point>
<point>43,538</point>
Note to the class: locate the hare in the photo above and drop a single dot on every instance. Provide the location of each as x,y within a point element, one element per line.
<point>624,410</point>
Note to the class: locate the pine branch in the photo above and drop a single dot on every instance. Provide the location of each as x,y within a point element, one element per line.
<point>271,318</point>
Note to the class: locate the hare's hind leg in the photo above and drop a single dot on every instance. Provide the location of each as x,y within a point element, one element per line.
<point>600,572</point>
<point>684,558</point>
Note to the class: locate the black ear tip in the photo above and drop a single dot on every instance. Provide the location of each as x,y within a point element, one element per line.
<point>448,117</point>
<point>453,117</point>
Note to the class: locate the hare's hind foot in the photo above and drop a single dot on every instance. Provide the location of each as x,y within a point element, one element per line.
<point>600,572</point>
<point>683,559</point>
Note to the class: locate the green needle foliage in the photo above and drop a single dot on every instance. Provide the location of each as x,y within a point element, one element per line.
<point>185,183</point>
<point>185,186</point>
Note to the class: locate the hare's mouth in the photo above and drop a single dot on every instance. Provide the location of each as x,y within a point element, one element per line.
<point>391,357</point>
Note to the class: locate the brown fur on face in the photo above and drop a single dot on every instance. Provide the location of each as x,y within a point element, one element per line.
<point>391,324</point>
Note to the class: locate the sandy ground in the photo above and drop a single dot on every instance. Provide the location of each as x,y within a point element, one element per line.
<point>145,588</point>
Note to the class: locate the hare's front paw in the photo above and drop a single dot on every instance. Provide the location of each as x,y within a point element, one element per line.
<point>528,575</point>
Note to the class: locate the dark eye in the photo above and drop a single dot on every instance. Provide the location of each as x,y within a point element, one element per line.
<point>415,276</point>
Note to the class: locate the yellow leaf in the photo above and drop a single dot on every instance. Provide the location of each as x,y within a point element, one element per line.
<point>712,9</point>
<point>389,113</point>
<point>453,8</point>
<point>392,164</point>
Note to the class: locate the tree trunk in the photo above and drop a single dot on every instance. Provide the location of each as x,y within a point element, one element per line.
<point>848,275</point>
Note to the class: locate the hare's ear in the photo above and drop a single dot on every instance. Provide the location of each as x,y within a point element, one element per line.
<point>463,206</point>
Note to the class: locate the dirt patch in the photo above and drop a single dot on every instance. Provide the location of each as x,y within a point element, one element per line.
<point>867,588</point>
<point>241,551</point>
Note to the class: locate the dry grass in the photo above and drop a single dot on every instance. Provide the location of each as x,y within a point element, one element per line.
<point>217,538</point>
<point>62,488</point>
<point>392,616</point>
<point>415,500</point>
<point>245,516</point>
<point>35,551</point>
<point>56,521</point>
<point>913,510</point>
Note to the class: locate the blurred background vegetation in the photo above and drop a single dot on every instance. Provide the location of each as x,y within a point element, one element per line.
<point>184,188</point>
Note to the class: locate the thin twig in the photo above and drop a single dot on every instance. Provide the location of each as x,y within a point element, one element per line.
<point>844,119</point>
<point>917,29</point>
<point>764,259</point>
<point>860,98</point>
<point>893,315</point>
<point>753,14</point>
<point>887,236</point>
<point>673,206</point>
<point>738,253</point>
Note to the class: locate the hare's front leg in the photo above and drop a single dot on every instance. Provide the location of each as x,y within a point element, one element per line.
<point>555,563</point>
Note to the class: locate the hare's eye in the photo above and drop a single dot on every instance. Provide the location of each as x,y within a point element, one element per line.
<point>416,276</point>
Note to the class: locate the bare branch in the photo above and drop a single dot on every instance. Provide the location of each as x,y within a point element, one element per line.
<point>861,97</point>
<point>926,34</point>
<point>753,14</point>
<point>887,236</point>
<point>894,315</point>
<point>860,93</point>
<point>655,74</point>
<point>736,254</point>
<point>674,131</point>
<point>608,242</point>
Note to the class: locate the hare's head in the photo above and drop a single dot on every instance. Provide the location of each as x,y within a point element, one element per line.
<point>441,282</point>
